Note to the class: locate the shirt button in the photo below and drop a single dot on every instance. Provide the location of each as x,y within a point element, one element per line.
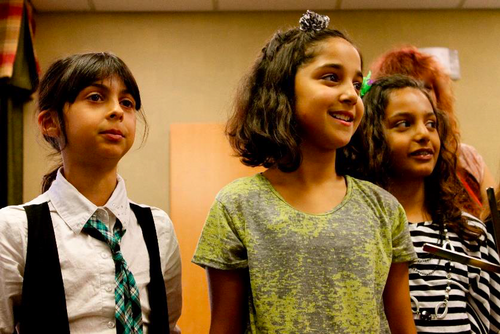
<point>111,324</point>
<point>109,288</point>
<point>104,255</point>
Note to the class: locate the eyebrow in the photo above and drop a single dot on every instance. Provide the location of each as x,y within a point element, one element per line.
<point>409,114</point>
<point>106,88</point>
<point>339,67</point>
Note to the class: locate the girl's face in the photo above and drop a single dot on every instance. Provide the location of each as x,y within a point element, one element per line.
<point>327,102</point>
<point>410,128</point>
<point>100,124</point>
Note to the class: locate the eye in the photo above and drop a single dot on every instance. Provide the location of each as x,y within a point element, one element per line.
<point>431,124</point>
<point>402,124</point>
<point>357,85</point>
<point>331,77</point>
<point>95,97</point>
<point>128,103</point>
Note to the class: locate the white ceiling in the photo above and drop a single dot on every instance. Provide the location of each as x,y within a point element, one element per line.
<point>252,5</point>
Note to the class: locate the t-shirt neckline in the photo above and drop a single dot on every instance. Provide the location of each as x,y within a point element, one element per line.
<point>346,198</point>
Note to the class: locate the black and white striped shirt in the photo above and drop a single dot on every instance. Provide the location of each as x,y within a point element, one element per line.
<point>474,302</point>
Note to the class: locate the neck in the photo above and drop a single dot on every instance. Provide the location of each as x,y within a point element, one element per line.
<point>314,187</point>
<point>411,195</point>
<point>95,183</point>
<point>315,168</point>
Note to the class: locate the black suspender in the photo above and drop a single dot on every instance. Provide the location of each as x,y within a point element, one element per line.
<point>156,287</point>
<point>43,304</point>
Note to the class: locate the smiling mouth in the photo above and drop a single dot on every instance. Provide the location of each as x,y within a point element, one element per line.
<point>341,116</point>
<point>422,153</point>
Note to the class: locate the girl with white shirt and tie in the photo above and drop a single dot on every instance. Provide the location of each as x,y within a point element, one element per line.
<point>82,257</point>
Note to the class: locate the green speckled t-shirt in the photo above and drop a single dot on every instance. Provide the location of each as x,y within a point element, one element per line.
<point>309,273</point>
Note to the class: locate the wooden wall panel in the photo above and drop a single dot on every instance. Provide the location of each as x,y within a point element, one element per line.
<point>201,163</point>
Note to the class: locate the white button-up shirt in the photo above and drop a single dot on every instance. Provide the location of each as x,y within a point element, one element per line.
<point>87,267</point>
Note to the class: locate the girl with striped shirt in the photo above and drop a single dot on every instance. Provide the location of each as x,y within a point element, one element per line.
<point>412,154</point>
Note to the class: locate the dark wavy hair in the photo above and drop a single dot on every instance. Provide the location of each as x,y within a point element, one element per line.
<point>369,156</point>
<point>421,66</point>
<point>410,61</point>
<point>67,77</point>
<point>263,129</point>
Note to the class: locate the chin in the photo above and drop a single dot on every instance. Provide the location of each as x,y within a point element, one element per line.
<point>423,173</point>
<point>341,142</point>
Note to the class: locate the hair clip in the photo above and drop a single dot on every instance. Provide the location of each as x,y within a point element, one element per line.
<point>312,21</point>
<point>366,85</point>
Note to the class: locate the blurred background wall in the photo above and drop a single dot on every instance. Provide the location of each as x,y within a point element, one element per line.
<point>188,66</point>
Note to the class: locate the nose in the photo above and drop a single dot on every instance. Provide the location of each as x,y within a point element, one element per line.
<point>349,94</point>
<point>116,111</point>
<point>422,133</point>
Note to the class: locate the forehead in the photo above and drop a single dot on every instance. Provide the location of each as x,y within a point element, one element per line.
<point>336,49</point>
<point>111,81</point>
<point>409,100</point>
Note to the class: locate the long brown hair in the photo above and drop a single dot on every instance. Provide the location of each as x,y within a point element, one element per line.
<point>408,60</point>
<point>263,127</point>
<point>424,67</point>
<point>369,156</point>
<point>66,78</point>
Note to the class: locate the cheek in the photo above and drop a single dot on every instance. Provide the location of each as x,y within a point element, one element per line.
<point>307,99</point>
<point>132,124</point>
<point>437,143</point>
<point>395,145</point>
<point>360,107</point>
<point>360,111</point>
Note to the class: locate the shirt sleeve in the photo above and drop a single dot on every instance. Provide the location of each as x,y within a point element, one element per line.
<point>220,246</point>
<point>12,260</point>
<point>171,262</point>
<point>402,246</point>
<point>470,159</point>
<point>484,297</point>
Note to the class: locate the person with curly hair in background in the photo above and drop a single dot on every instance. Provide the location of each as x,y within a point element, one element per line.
<point>471,169</point>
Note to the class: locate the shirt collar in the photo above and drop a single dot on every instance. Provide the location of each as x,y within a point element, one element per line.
<point>75,209</point>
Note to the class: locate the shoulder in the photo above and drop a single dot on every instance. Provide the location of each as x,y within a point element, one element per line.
<point>370,200</point>
<point>243,188</point>
<point>471,160</point>
<point>14,215</point>
<point>474,221</point>
<point>163,223</point>
<point>13,221</point>
<point>372,193</point>
<point>468,150</point>
<point>477,223</point>
<point>370,188</point>
<point>14,226</point>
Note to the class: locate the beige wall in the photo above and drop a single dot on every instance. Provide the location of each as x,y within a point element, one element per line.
<point>188,65</point>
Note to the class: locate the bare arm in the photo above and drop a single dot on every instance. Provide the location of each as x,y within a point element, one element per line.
<point>228,300</point>
<point>397,300</point>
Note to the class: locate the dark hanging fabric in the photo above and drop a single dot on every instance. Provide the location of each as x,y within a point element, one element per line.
<point>18,80</point>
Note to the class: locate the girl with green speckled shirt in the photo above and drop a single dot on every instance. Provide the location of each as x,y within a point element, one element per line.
<point>301,248</point>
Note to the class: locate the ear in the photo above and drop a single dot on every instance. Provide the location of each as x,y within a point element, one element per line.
<point>48,123</point>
